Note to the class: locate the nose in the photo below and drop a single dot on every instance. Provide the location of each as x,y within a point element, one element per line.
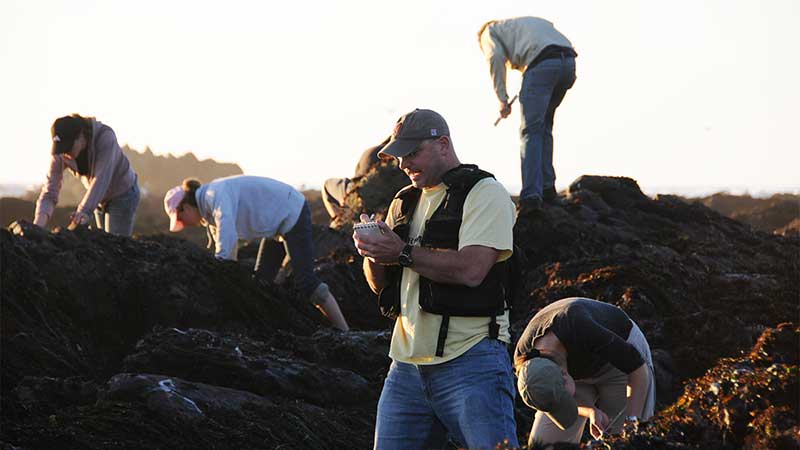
<point>404,162</point>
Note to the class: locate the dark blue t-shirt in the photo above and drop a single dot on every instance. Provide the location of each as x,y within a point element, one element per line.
<point>593,332</point>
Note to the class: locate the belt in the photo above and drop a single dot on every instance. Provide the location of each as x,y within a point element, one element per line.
<point>553,51</point>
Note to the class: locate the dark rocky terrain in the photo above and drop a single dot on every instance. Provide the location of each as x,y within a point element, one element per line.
<point>111,342</point>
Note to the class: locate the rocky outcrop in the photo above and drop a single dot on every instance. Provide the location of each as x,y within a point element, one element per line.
<point>773,215</point>
<point>112,342</point>
<point>686,274</point>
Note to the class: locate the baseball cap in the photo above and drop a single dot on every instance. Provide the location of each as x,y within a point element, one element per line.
<point>412,128</point>
<point>172,200</point>
<point>541,386</point>
<point>64,132</point>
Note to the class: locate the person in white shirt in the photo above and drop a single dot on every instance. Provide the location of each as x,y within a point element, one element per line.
<point>249,207</point>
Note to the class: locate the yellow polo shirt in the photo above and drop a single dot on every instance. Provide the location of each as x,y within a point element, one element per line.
<point>488,220</point>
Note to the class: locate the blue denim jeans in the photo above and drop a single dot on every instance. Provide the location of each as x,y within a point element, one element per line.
<point>470,398</point>
<point>543,88</point>
<point>117,215</point>
<point>299,246</point>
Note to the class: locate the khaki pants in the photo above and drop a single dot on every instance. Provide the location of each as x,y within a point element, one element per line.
<point>608,391</point>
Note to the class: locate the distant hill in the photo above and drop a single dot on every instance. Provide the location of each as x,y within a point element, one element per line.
<point>779,214</point>
<point>157,174</point>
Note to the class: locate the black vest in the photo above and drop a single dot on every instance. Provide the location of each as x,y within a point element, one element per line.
<point>489,299</point>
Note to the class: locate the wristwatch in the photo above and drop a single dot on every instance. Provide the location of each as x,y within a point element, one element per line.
<point>405,258</point>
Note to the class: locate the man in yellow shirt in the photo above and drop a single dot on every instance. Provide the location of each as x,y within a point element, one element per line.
<point>440,265</point>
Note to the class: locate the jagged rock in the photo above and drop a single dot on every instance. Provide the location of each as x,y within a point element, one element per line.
<point>242,363</point>
<point>790,229</point>
<point>749,402</point>
<point>675,267</point>
<point>618,192</point>
<point>773,214</point>
<point>47,394</point>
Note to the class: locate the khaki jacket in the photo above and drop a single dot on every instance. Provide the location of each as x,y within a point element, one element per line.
<point>516,42</point>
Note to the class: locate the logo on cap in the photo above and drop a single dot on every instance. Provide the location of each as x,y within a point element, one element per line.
<point>434,132</point>
<point>56,138</point>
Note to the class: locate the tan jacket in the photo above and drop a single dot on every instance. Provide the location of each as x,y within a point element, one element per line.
<point>516,42</point>
<point>110,175</point>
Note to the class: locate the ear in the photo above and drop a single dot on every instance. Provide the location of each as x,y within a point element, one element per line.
<point>445,144</point>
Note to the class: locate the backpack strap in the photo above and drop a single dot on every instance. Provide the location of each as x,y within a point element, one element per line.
<point>442,335</point>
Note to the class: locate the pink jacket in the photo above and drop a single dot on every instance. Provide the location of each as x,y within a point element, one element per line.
<point>110,174</point>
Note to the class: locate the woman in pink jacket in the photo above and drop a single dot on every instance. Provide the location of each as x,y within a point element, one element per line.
<point>89,149</point>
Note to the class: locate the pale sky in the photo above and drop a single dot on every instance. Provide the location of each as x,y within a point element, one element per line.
<point>677,94</point>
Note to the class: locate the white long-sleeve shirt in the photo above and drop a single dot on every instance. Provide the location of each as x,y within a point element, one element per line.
<point>247,207</point>
<point>516,42</point>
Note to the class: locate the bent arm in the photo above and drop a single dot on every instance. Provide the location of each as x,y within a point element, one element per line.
<point>107,156</point>
<point>467,266</point>
<point>496,57</point>
<point>375,275</point>
<point>48,197</point>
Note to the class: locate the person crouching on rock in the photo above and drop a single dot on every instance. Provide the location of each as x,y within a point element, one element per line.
<point>574,361</point>
<point>248,207</point>
<point>89,149</point>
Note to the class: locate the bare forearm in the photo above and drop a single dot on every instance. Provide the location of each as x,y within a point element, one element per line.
<point>585,411</point>
<point>465,267</point>
<point>375,275</point>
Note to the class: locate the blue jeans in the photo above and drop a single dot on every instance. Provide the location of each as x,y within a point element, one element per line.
<point>299,246</point>
<point>543,88</point>
<point>117,215</point>
<point>471,398</point>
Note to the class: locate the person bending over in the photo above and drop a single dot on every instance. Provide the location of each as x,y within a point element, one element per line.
<point>249,207</point>
<point>89,149</point>
<point>576,360</point>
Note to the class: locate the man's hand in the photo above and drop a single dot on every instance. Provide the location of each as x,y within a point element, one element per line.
<point>23,227</point>
<point>598,422</point>
<point>380,249</point>
<point>77,219</point>
<point>505,109</point>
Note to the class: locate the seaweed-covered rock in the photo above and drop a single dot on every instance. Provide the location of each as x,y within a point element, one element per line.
<point>93,326</point>
<point>700,285</point>
<point>749,402</point>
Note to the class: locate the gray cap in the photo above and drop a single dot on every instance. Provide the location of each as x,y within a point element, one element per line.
<point>411,129</point>
<point>541,386</point>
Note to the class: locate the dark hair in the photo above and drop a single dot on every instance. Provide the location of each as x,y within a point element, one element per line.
<point>66,129</point>
<point>539,353</point>
<point>82,161</point>
<point>190,186</point>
